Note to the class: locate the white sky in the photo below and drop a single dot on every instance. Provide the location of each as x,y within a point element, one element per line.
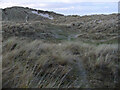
<point>66,6</point>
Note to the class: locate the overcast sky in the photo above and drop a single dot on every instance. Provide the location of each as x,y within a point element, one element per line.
<point>67,7</point>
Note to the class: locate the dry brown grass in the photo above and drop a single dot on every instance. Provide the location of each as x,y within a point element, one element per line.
<point>37,64</point>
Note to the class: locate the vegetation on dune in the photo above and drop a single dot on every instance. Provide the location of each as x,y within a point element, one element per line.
<point>68,64</point>
<point>63,52</point>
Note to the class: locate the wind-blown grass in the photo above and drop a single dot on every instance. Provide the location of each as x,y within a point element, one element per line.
<point>34,63</point>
